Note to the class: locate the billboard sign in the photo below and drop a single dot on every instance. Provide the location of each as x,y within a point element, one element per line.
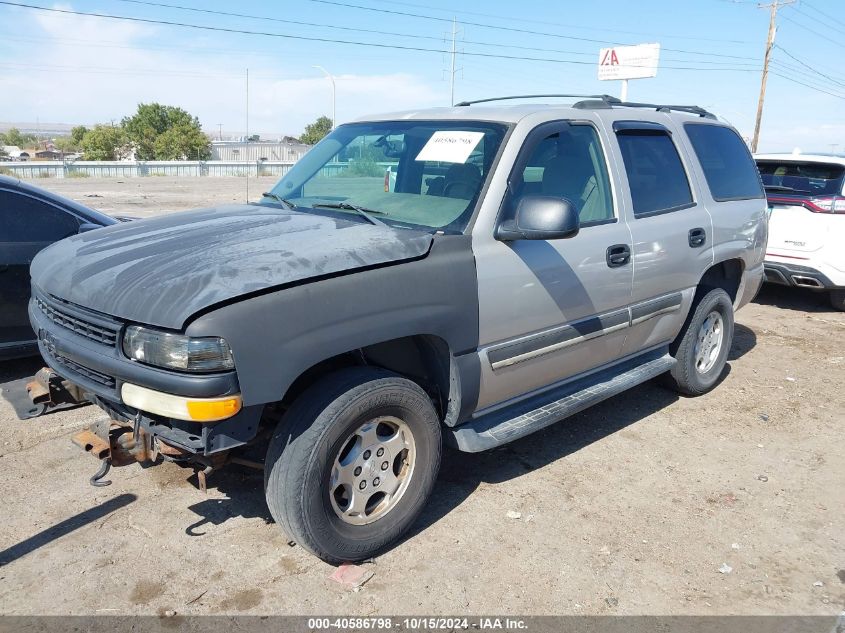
<point>629,62</point>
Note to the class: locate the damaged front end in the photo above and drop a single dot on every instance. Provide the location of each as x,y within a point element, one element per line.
<point>48,390</point>
<point>121,442</point>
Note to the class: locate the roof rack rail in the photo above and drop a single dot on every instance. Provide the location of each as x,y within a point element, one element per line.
<point>602,101</point>
<point>614,102</point>
<point>469,103</point>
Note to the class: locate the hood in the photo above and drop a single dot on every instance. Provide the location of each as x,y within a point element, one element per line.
<point>160,271</point>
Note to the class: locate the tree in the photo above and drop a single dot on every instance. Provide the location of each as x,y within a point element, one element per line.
<point>153,120</point>
<point>182,142</point>
<point>253,138</point>
<point>314,132</point>
<point>14,137</point>
<point>66,144</point>
<point>76,134</point>
<point>105,142</point>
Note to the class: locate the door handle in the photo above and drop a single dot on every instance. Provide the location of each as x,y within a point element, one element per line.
<point>697,237</point>
<point>618,255</point>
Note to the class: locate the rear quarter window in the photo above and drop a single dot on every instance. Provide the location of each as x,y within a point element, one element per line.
<point>726,162</point>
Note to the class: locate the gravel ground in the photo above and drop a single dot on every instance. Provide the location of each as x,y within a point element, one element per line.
<point>631,507</point>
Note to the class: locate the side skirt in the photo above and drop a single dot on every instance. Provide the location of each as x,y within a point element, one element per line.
<point>508,424</point>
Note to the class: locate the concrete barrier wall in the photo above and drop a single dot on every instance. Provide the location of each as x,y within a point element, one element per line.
<point>126,169</point>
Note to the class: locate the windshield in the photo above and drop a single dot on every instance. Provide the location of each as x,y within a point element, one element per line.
<point>789,177</point>
<point>420,174</point>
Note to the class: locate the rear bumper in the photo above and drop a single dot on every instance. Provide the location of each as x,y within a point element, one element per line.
<point>797,276</point>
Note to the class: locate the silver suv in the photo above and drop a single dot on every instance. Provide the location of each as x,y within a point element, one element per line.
<point>467,275</point>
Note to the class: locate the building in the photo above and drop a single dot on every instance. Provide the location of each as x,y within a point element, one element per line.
<point>287,149</point>
<point>49,154</point>
<point>15,153</point>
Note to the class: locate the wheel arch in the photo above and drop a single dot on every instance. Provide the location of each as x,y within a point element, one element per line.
<point>726,274</point>
<point>425,359</point>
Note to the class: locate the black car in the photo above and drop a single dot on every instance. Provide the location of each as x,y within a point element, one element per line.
<point>30,220</point>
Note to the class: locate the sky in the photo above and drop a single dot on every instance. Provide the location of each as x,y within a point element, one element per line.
<point>79,69</point>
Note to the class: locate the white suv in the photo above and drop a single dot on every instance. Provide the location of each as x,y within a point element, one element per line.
<point>807,221</point>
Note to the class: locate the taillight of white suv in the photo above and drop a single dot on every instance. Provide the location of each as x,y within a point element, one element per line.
<point>816,204</point>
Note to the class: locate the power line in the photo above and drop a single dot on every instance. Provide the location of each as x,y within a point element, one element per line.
<point>826,38</point>
<point>511,29</point>
<point>361,30</point>
<point>808,66</point>
<point>547,23</point>
<point>827,15</point>
<point>838,96</point>
<point>819,84</point>
<point>332,40</point>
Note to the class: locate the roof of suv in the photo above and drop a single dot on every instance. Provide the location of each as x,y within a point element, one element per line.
<point>496,110</point>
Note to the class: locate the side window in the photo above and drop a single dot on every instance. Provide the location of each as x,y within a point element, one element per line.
<point>25,219</point>
<point>656,175</point>
<point>727,164</point>
<point>570,164</point>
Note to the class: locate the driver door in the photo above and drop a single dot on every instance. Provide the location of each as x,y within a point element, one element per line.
<point>550,310</point>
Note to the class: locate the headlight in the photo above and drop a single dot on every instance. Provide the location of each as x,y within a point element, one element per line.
<point>177,351</point>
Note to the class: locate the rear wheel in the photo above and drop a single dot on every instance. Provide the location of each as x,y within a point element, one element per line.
<point>702,348</point>
<point>837,299</point>
<point>352,463</point>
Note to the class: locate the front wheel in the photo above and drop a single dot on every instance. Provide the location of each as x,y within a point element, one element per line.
<point>702,348</point>
<point>352,463</point>
<point>837,299</point>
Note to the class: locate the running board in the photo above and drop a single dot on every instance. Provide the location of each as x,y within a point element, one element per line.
<point>535,413</point>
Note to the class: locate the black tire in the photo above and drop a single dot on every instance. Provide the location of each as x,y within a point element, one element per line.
<point>837,299</point>
<point>685,376</point>
<point>309,438</point>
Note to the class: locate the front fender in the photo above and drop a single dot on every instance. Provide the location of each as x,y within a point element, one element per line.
<point>276,336</point>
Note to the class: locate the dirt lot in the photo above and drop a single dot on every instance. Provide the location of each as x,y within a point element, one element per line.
<point>629,508</point>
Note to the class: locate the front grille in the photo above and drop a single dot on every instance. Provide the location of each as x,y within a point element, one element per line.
<point>90,374</point>
<point>99,332</point>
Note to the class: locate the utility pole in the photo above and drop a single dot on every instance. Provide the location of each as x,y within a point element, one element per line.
<point>334,94</point>
<point>770,41</point>
<point>219,131</point>
<point>454,53</point>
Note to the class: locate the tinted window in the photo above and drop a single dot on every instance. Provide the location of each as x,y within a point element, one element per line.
<point>726,162</point>
<point>570,164</point>
<point>656,175</point>
<point>794,176</point>
<point>25,219</point>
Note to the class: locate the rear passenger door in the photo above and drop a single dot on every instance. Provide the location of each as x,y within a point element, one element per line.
<point>671,229</point>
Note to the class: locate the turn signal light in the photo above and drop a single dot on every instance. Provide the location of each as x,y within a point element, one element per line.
<point>209,410</point>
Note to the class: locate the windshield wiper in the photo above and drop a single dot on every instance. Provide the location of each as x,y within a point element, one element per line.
<point>346,206</point>
<point>285,203</point>
<point>784,189</point>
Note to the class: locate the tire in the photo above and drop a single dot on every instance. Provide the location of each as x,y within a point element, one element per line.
<point>322,434</point>
<point>837,299</point>
<point>697,373</point>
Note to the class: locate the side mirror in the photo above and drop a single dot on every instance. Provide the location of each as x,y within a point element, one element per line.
<point>87,226</point>
<point>540,218</point>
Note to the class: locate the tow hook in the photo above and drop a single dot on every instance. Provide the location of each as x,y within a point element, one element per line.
<point>95,480</point>
<point>115,444</point>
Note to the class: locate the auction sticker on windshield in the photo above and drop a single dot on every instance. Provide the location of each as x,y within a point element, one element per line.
<point>450,146</point>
